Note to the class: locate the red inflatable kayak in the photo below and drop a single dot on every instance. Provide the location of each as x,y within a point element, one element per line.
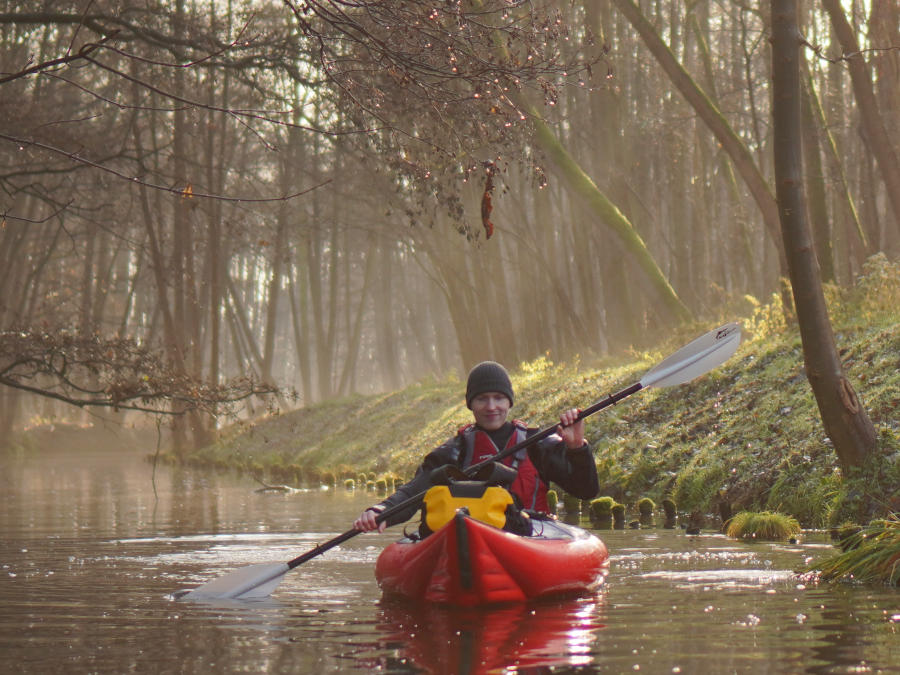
<point>468,563</point>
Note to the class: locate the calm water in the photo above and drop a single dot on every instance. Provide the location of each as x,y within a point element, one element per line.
<point>90,556</point>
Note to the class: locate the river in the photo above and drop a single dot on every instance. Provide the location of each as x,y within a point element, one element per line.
<point>94,543</point>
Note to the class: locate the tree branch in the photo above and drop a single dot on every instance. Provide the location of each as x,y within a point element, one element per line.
<point>82,53</point>
<point>186,191</point>
<point>90,371</point>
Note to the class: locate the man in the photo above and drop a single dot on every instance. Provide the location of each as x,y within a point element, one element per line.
<point>564,458</point>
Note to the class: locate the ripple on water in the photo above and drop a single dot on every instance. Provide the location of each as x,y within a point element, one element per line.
<point>721,579</point>
<point>226,550</point>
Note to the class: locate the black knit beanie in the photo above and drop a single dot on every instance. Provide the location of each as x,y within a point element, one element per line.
<point>488,376</point>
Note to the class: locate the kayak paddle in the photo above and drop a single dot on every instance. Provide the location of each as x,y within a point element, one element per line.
<point>694,359</point>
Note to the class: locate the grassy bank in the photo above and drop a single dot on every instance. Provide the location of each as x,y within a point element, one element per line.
<point>746,436</point>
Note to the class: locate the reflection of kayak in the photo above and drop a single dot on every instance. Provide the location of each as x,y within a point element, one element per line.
<point>468,563</point>
<point>523,637</point>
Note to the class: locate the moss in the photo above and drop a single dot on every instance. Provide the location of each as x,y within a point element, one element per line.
<point>602,507</point>
<point>552,501</point>
<point>671,513</point>
<point>646,506</point>
<point>669,507</point>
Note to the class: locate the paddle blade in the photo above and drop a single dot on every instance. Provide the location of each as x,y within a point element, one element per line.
<point>695,358</point>
<point>245,583</point>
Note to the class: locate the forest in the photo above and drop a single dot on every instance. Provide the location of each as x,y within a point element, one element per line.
<point>238,205</point>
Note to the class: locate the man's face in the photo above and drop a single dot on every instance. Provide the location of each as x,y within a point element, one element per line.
<point>490,410</point>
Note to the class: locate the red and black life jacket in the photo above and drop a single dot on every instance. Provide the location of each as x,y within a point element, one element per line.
<point>477,446</point>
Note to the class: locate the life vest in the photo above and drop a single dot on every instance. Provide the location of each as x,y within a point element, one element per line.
<point>528,486</point>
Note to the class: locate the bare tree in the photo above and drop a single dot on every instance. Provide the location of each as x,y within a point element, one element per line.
<point>881,144</point>
<point>843,414</point>
<point>120,101</point>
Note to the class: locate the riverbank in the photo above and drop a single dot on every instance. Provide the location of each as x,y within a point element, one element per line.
<point>746,436</point>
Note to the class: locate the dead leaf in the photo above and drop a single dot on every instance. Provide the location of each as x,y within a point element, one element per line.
<point>486,205</point>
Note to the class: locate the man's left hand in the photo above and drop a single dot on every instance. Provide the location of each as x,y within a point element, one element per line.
<point>571,429</point>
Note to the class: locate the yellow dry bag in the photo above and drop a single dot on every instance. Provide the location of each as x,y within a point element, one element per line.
<point>484,503</point>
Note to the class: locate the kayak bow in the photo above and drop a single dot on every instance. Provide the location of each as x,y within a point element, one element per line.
<point>468,563</point>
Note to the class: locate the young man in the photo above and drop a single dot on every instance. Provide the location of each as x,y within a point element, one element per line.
<point>564,458</point>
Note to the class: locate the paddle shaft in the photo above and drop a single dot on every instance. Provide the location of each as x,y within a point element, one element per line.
<point>331,543</point>
<point>612,399</point>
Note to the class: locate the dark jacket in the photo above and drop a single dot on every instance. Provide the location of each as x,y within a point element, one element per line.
<point>572,470</point>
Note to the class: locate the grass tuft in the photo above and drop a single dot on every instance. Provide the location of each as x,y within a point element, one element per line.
<point>872,555</point>
<point>764,526</point>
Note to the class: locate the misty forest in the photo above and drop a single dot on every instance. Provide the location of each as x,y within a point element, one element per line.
<point>235,206</point>
<point>257,261</point>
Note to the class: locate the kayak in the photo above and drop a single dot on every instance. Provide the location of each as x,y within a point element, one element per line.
<point>468,563</point>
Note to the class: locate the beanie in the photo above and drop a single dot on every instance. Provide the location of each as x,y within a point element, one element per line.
<point>488,376</point>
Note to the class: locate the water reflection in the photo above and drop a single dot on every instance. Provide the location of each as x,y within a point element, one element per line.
<point>468,641</point>
<point>845,638</point>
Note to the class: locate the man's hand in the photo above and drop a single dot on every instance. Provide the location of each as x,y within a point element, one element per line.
<point>366,521</point>
<point>571,429</point>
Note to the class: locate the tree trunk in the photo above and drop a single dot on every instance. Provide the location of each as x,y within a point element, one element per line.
<point>843,195</point>
<point>13,240</point>
<point>300,326</point>
<point>274,290</point>
<point>494,257</point>
<point>333,297</point>
<point>582,185</point>
<point>880,142</point>
<point>158,265</point>
<point>710,115</point>
<point>449,262</point>
<point>354,337</point>
<point>243,324</point>
<point>87,284</point>
<point>843,414</point>
<point>815,187</point>
<point>180,236</point>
